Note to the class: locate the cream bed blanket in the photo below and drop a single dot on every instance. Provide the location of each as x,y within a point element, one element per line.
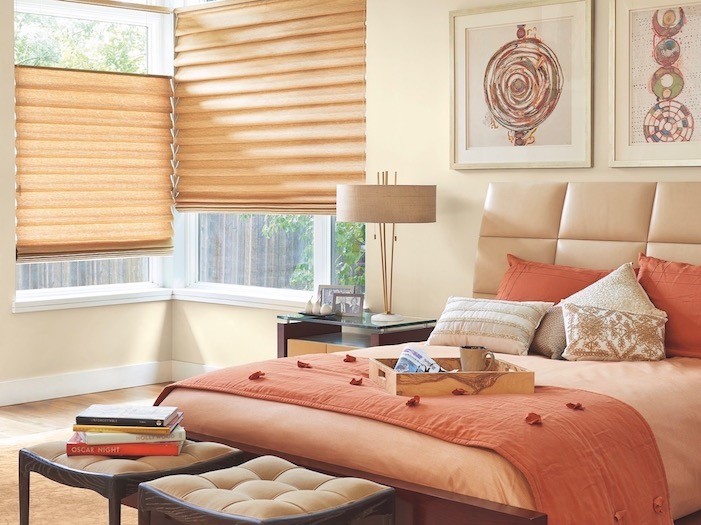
<point>666,393</point>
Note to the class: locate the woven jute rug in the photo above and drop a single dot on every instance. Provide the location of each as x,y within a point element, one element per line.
<point>49,503</point>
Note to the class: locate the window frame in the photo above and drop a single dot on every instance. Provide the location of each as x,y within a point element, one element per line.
<point>160,62</point>
<point>189,288</point>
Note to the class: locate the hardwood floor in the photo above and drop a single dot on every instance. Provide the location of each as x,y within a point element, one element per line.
<point>53,414</point>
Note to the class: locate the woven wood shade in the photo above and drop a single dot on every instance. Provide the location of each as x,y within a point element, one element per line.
<point>93,164</point>
<point>270,104</point>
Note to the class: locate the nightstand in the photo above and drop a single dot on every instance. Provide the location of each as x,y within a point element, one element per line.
<point>299,334</point>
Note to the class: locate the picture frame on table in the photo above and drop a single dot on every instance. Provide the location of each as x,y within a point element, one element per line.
<point>655,83</point>
<point>325,292</point>
<point>348,304</point>
<point>521,78</point>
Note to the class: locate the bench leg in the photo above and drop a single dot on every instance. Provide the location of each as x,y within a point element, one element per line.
<point>23,495</point>
<point>114,496</point>
<point>144,517</point>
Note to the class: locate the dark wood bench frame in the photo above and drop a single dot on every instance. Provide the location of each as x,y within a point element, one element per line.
<point>114,487</point>
<point>151,499</point>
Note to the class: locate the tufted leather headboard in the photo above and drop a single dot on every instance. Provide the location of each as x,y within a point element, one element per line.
<point>597,225</point>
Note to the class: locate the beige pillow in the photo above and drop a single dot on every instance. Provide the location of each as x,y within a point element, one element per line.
<point>501,326</point>
<point>600,334</point>
<point>549,339</point>
<point>597,326</point>
<point>619,290</point>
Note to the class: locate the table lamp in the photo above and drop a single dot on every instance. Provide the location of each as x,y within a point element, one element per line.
<point>386,204</point>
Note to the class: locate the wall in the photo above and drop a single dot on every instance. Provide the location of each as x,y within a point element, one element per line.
<point>47,354</point>
<point>408,119</point>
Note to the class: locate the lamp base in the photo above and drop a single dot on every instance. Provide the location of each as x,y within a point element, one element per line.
<point>386,318</point>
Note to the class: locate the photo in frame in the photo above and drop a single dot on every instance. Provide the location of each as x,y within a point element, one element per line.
<point>325,292</point>
<point>348,304</point>
<point>655,75</point>
<point>521,86</point>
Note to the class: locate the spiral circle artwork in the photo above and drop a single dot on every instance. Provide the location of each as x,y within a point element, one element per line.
<point>668,121</point>
<point>522,85</point>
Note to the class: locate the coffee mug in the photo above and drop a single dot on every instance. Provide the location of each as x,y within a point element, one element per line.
<point>476,359</point>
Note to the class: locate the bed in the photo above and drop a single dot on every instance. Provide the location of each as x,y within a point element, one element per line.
<point>585,225</point>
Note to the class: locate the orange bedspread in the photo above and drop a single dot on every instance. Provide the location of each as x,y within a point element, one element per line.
<point>596,465</point>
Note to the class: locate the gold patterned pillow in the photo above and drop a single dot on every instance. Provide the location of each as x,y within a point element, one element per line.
<point>600,334</point>
<point>501,326</point>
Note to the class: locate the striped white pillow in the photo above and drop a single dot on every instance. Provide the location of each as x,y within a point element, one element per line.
<point>501,326</point>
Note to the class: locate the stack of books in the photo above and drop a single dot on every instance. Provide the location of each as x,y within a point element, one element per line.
<point>127,431</point>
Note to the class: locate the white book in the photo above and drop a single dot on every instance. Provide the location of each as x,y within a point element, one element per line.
<point>113,438</point>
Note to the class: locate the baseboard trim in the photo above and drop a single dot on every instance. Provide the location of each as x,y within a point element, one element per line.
<point>40,388</point>
<point>183,370</point>
<point>84,382</point>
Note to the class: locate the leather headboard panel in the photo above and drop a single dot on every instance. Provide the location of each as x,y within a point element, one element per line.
<point>597,225</point>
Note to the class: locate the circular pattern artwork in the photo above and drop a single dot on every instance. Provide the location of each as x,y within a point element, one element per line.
<point>522,85</point>
<point>668,121</point>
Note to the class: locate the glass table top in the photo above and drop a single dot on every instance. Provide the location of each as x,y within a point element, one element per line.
<point>355,322</point>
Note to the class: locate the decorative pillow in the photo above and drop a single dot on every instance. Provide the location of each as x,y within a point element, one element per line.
<point>549,339</point>
<point>501,326</point>
<point>675,288</point>
<point>534,281</point>
<point>600,334</point>
<point>601,320</point>
<point>619,290</point>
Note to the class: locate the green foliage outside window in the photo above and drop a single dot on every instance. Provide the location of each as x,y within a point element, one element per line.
<point>73,43</point>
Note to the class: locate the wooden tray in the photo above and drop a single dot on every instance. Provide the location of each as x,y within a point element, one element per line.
<point>506,379</point>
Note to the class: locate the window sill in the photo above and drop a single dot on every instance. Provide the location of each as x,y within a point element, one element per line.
<point>249,297</point>
<point>88,296</point>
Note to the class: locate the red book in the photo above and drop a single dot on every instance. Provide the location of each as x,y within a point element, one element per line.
<point>76,447</point>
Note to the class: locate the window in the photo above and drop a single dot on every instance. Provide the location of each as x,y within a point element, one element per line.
<point>75,36</point>
<point>293,252</point>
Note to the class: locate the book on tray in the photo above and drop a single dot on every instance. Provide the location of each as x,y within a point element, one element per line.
<point>127,430</point>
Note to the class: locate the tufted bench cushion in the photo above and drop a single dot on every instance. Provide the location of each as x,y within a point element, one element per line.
<point>115,478</point>
<point>266,489</point>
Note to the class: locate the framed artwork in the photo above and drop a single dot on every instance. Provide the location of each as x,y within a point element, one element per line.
<point>521,86</point>
<point>326,291</point>
<point>655,73</point>
<point>348,304</point>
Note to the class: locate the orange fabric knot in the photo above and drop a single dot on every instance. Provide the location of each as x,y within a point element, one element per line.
<point>256,375</point>
<point>658,504</point>
<point>459,392</point>
<point>302,364</point>
<point>534,419</point>
<point>575,406</point>
<point>619,515</point>
<point>413,401</point>
<point>349,359</point>
<point>356,382</point>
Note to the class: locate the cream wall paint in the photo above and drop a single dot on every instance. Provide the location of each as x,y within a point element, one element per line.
<point>54,342</point>
<point>408,119</point>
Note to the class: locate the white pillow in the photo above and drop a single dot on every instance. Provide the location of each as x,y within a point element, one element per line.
<point>500,326</point>
<point>619,290</point>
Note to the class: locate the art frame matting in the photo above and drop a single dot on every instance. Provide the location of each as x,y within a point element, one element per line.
<point>655,76</point>
<point>526,101</point>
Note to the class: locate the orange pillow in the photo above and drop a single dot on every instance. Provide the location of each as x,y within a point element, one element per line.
<point>675,288</point>
<point>534,281</point>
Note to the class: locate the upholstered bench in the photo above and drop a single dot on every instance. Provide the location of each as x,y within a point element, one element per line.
<point>115,478</point>
<point>265,490</point>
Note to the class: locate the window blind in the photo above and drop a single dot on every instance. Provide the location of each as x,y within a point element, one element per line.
<point>94,164</point>
<point>270,104</point>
